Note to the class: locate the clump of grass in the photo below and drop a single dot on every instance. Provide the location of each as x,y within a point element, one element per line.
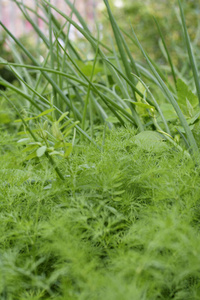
<point>110,88</point>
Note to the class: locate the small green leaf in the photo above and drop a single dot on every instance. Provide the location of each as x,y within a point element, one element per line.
<point>63,116</point>
<point>56,131</point>
<point>118,192</point>
<point>117,198</point>
<point>45,112</point>
<point>65,124</point>
<point>68,151</point>
<point>40,151</point>
<point>29,148</point>
<point>56,153</point>
<point>32,155</point>
<point>181,129</point>
<point>36,117</point>
<point>23,140</point>
<point>193,119</point>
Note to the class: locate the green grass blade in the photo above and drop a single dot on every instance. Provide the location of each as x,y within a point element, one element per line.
<point>88,91</point>
<point>190,52</point>
<point>120,41</point>
<point>172,100</point>
<point>59,28</point>
<point>45,103</point>
<point>166,50</point>
<point>49,79</point>
<point>93,43</point>
<point>156,106</point>
<point>96,90</point>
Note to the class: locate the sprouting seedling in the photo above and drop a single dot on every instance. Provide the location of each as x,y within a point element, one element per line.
<point>35,139</point>
<point>52,136</point>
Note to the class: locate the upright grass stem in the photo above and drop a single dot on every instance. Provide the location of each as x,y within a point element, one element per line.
<point>49,79</point>
<point>166,50</point>
<point>190,52</point>
<point>191,139</point>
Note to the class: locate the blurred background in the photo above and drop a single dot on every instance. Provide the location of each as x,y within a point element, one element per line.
<point>13,19</point>
<point>138,13</point>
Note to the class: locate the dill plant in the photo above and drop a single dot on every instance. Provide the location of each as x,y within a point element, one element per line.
<point>113,229</point>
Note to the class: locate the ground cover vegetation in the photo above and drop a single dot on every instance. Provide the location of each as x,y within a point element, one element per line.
<point>99,182</point>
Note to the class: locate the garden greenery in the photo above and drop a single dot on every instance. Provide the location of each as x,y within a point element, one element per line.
<point>100,171</point>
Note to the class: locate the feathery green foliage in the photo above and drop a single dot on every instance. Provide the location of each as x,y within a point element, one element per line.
<point>121,225</point>
<point>123,137</point>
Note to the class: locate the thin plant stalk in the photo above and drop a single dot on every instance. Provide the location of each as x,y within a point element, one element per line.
<point>191,139</point>
<point>190,52</point>
<point>166,50</point>
<point>51,160</point>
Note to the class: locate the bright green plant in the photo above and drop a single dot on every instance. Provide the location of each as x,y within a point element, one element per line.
<point>52,137</point>
<point>111,84</point>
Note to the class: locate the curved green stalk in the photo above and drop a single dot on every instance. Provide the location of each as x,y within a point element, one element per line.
<point>51,160</point>
<point>169,95</point>
<point>190,52</point>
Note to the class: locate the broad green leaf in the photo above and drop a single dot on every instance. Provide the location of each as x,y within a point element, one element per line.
<point>140,88</point>
<point>40,151</point>
<point>168,112</point>
<point>187,100</point>
<point>150,141</point>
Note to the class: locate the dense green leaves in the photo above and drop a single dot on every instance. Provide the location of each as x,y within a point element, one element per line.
<point>125,222</point>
